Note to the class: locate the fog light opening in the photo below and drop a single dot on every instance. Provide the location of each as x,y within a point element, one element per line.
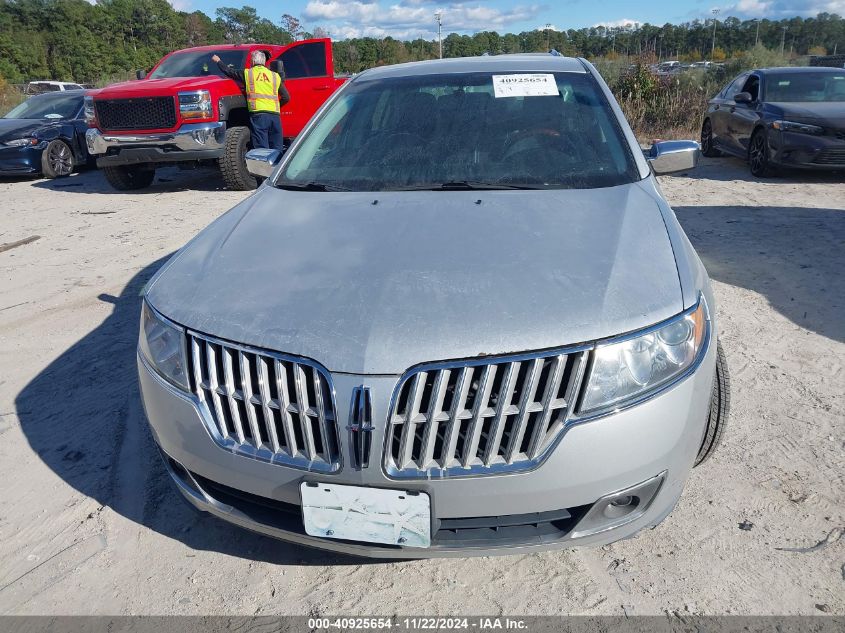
<point>621,506</point>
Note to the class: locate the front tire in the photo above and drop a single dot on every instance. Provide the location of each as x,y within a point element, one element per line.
<point>129,177</point>
<point>233,162</point>
<point>56,159</point>
<point>758,155</point>
<point>720,408</point>
<point>707,147</point>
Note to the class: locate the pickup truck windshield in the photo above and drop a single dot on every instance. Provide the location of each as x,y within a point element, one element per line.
<point>464,131</point>
<point>805,87</point>
<point>197,64</point>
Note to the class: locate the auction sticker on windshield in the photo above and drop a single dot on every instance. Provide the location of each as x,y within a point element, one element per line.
<point>525,85</point>
<point>372,515</point>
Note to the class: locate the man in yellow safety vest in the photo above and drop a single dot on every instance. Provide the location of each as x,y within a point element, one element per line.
<point>265,96</point>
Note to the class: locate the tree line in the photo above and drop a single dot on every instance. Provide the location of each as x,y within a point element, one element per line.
<point>79,41</point>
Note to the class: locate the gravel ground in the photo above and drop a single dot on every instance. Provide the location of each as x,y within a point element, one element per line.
<point>89,522</point>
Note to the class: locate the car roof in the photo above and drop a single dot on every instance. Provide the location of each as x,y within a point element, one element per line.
<point>489,63</point>
<point>797,70</point>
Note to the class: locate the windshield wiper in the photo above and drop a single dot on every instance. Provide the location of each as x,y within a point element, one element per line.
<point>464,185</point>
<point>310,186</point>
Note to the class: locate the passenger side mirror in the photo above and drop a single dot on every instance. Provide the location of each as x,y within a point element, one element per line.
<point>140,74</point>
<point>262,162</point>
<point>277,66</point>
<point>743,97</point>
<point>667,157</point>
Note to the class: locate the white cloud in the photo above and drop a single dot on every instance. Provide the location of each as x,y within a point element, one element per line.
<point>622,23</point>
<point>409,18</point>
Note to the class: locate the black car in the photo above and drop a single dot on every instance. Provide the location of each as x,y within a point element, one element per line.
<point>44,135</point>
<point>779,117</point>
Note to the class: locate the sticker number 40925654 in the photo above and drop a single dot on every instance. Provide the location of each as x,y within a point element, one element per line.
<point>525,85</point>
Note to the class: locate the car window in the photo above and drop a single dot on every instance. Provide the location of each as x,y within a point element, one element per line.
<point>305,60</point>
<point>805,87</point>
<point>752,87</point>
<point>417,132</point>
<point>734,87</point>
<point>197,64</point>
<point>48,106</point>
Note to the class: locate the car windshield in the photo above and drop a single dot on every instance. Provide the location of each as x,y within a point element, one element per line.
<point>470,131</point>
<point>56,105</point>
<point>197,64</point>
<point>806,87</point>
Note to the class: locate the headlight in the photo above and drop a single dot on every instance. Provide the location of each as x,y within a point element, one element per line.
<point>90,114</point>
<point>801,128</point>
<point>195,105</point>
<point>632,367</point>
<point>21,142</point>
<point>163,345</point>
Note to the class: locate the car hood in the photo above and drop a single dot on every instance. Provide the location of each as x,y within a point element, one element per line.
<point>826,113</point>
<point>149,87</point>
<point>373,283</point>
<point>10,129</point>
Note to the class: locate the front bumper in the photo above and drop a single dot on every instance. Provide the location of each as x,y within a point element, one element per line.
<point>805,151</point>
<point>659,437</point>
<point>21,161</point>
<point>193,141</point>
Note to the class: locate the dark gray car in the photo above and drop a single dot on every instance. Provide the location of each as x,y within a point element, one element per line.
<point>457,318</point>
<point>779,117</point>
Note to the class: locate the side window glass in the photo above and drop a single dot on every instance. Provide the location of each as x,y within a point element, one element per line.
<point>752,86</point>
<point>305,60</point>
<point>735,87</point>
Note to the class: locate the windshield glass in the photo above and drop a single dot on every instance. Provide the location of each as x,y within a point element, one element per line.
<point>806,87</point>
<point>549,130</point>
<point>48,106</point>
<point>197,64</point>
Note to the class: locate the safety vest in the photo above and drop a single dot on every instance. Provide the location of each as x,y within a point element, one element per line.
<point>262,89</point>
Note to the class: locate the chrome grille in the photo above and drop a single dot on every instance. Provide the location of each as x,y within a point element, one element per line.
<point>266,405</point>
<point>481,417</point>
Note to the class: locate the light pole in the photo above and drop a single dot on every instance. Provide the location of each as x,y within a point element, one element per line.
<point>757,34</point>
<point>548,42</point>
<point>439,17</point>
<point>782,40</point>
<point>715,21</point>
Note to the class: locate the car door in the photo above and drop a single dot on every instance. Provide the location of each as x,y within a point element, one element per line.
<point>721,117</point>
<point>309,79</point>
<point>744,116</point>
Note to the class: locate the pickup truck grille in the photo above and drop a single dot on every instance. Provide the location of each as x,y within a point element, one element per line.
<point>266,405</point>
<point>481,416</point>
<point>147,113</point>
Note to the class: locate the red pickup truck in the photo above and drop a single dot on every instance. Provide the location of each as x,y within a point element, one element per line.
<point>185,111</point>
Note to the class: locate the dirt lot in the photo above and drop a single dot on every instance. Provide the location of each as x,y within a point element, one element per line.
<point>89,522</point>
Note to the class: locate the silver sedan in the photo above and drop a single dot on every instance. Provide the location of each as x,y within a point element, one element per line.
<point>457,318</point>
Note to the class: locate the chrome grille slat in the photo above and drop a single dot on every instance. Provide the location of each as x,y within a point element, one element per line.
<point>266,405</point>
<point>481,416</point>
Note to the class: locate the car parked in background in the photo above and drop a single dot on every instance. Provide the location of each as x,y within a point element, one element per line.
<point>44,135</point>
<point>40,87</point>
<point>779,117</point>
<point>185,111</point>
<point>457,318</point>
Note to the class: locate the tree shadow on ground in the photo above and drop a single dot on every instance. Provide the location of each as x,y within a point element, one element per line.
<point>730,168</point>
<point>794,256</point>
<point>82,415</point>
<point>168,179</point>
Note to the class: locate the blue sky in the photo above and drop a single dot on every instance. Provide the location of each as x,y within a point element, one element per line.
<point>415,18</point>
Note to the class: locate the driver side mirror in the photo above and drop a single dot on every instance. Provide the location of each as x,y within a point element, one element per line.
<point>262,162</point>
<point>743,97</point>
<point>140,74</point>
<point>667,157</point>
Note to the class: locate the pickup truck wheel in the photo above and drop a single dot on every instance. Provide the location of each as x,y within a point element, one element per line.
<point>233,162</point>
<point>720,407</point>
<point>56,159</point>
<point>129,177</point>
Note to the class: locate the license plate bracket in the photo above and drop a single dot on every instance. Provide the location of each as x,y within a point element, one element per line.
<point>371,515</point>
